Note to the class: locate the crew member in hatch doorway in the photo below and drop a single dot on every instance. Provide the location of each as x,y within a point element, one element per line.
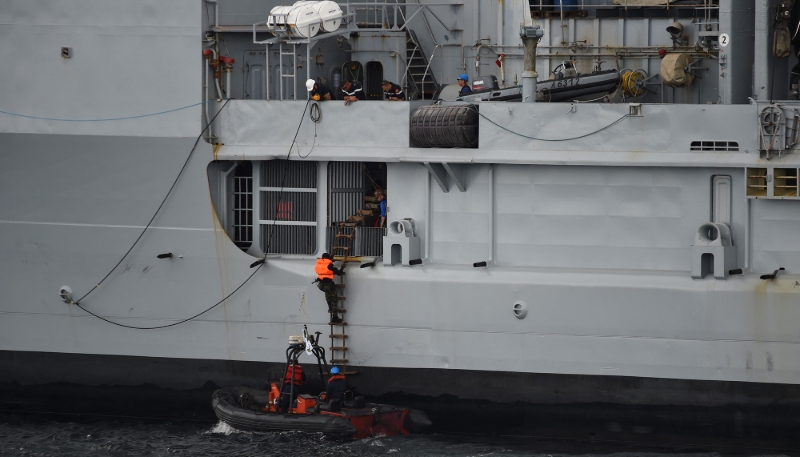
<point>392,91</point>
<point>294,376</point>
<point>352,92</point>
<point>463,79</point>
<point>325,271</point>
<point>380,195</point>
<point>318,91</point>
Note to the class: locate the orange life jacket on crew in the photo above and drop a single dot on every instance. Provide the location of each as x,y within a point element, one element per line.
<point>322,269</point>
<point>336,377</point>
<point>298,375</point>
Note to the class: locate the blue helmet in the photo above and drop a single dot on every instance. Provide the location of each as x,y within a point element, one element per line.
<point>464,77</point>
<point>335,370</point>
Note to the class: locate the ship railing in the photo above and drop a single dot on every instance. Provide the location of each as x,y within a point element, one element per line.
<point>383,12</point>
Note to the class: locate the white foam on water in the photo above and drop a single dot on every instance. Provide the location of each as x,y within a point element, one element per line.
<point>223,428</point>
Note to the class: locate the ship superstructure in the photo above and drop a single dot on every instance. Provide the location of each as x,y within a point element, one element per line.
<point>631,246</point>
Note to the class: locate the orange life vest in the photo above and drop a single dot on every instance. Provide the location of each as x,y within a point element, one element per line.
<point>298,375</point>
<point>322,269</point>
<point>336,377</point>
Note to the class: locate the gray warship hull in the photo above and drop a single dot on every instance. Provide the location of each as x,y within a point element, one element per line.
<point>594,237</point>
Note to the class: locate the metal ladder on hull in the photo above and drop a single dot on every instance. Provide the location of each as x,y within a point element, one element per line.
<point>342,247</point>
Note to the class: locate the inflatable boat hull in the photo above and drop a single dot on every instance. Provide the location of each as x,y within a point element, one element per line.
<point>361,421</point>
<point>228,410</point>
<point>580,87</point>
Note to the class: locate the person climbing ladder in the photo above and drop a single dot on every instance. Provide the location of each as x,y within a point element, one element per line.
<point>325,271</point>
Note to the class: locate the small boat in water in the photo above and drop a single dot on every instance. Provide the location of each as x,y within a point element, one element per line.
<point>258,410</point>
<point>249,409</point>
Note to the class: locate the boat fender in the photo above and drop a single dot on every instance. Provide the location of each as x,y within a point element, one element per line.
<point>416,421</point>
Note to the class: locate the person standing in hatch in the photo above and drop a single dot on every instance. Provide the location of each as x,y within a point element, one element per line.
<point>318,91</point>
<point>325,272</point>
<point>380,195</point>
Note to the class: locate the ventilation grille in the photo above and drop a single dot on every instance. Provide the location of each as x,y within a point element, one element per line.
<point>243,211</point>
<point>720,146</point>
<point>288,207</point>
<point>288,173</point>
<point>289,239</point>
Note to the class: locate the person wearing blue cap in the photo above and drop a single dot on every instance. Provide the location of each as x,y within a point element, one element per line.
<point>336,385</point>
<point>463,79</point>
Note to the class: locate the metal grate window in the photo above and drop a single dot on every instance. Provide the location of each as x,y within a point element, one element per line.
<point>288,207</point>
<point>720,146</point>
<point>243,211</point>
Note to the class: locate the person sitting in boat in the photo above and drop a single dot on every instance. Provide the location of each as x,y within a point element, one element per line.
<point>325,271</point>
<point>294,380</point>
<point>352,92</point>
<point>392,91</point>
<point>318,91</point>
<point>462,80</point>
<point>336,386</point>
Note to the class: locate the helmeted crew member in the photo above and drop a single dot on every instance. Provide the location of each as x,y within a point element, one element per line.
<point>318,91</point>
<point>462,80</point>
<point>294,376</point>
<point>392,91</point>
<point>352,92</point>
<point>336,385</point>
<point>325,271</point>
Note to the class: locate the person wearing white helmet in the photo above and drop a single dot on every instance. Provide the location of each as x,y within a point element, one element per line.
<point>318,91</point>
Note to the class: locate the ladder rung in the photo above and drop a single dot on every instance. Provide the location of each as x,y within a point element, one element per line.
<point>333,348</point>
<point>341,247</point>
<point>342,298</point>
<point>337,323</point>
<point>341,235</point>
<point>341,310</point>
<point>338,336</point>
<point>367,198</point>
<point>341,286</point>
<point>338,360</point>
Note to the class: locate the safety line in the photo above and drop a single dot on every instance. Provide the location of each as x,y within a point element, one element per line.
<point>549,139</point>
<point>103,119</point>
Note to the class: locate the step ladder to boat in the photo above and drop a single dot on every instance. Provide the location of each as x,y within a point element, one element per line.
<point>342,249</point>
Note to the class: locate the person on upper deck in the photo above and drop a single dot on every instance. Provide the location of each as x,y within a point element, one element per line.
<point>352,92</point>
<point>392,91</point>
<point>462,80</point>
<point>325,271</point>
<point>318,91</point>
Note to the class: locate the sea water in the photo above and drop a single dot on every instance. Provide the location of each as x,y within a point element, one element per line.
<point>39,434</point>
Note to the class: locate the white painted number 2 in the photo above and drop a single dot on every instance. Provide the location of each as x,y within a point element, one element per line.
<point>724,39</point>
